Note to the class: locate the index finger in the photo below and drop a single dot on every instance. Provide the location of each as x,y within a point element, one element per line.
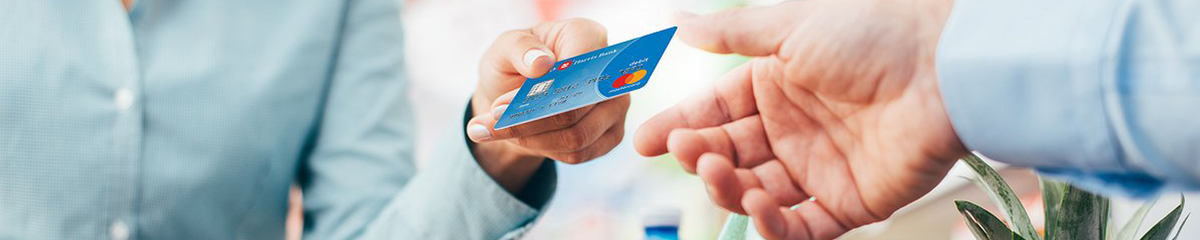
<point>730,99</point>
<point>550,123</point>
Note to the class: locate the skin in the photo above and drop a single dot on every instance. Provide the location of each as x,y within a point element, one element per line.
<point>512,155</point>
<point>838,111</point>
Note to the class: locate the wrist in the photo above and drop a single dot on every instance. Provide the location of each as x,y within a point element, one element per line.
<point>509,166</point>
<point>933,15</point>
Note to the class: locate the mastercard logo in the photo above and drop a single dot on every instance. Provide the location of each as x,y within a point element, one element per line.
<point>629,78</point>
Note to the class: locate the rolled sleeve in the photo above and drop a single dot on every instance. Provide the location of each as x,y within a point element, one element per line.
<point>1048,84</point>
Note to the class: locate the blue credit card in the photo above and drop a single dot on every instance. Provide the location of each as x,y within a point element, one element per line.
<point>588,79</point>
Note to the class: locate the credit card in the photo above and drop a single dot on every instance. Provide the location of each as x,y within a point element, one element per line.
<point>588,79</point>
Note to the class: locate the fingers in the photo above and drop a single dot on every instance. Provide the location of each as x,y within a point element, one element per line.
<point>530,53</point>
<point>571,137</point>
<point>775,180</point>
<point>481,128</point>
<point>517,52</point>
<point>572,131</point>
<point>502,102</point>
<point>567,136</point>
<point>808,220</point>
<point>767,216</point>
<point>559,121</point>
<point>727,185</point>
<point>562,121</point>
<point>571,37</point>
<point>606,143</point>
<point>755,31</point>
<point>744,139</point>
<point>730,98</point>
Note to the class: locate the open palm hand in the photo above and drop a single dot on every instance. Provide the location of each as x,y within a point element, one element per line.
<point>838,112</point>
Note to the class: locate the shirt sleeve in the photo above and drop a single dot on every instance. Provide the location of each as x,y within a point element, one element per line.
<point>360,181</point>
<point>1103,93</point>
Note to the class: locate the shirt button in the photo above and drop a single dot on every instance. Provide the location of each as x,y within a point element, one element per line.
<point>123,98</point>
<point>118,231</point>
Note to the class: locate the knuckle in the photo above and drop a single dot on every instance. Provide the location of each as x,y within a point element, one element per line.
<point>574,116</point>
<point>521,141</point>
<point>575,139</point>
<point>567,119</point>
<point>619,132</point>
<point>513,132</point>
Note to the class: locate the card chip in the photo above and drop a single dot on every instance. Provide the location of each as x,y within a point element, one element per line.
<point>540,88</point>
<point>585,79</point>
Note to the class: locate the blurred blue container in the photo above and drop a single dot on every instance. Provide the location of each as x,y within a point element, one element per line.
<point>662,224</point>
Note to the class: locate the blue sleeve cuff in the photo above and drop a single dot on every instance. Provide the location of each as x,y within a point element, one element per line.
<point>1027,91</point>
<point>453,198</point>
<point>1029,85</point>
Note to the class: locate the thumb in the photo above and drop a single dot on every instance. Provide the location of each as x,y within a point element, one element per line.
<point>757,31</point>
<point>518,52</point>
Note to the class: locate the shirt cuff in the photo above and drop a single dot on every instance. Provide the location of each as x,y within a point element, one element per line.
<point>534,196</point>
<point>1028,86</point>
<point>540,187</point>
<point>453,198</point>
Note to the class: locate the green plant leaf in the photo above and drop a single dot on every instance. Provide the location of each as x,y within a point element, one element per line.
<point>1181,224</point>
<point>982,223</point>
<point>1135,223</point>
<point>1081,215</point>
<point>1163,228</point>
<point>735,227</point>
<point>1003,195</point>
<point>1052,193</point>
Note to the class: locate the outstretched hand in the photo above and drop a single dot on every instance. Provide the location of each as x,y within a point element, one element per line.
<point>839,112</point>
<point>512,154</point>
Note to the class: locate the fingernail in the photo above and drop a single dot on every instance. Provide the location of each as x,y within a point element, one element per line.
<point>478,132</point>
<point>499,110</point>
<point>532,55</point>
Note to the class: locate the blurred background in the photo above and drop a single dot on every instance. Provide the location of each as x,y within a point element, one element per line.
<point>614,196</point>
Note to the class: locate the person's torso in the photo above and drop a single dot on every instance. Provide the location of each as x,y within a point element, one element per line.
<point>178,120</point>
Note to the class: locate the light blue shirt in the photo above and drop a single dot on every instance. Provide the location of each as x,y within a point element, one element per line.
<point>1103,93</point>
<point>190,119</point>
